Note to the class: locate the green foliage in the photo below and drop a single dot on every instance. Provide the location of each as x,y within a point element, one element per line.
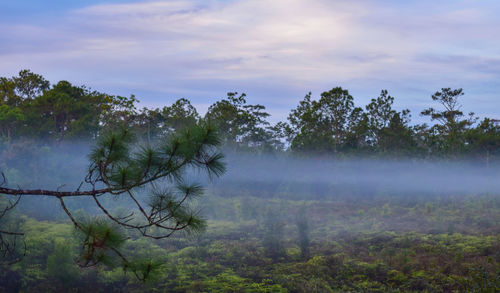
<point>452,128</point>
<point>100,239</point>
<point>9,117</point>
<point>243,126</point>
<point>331,125</point>
<point>274,234</point>
<point>61,265</point>
<point>406,251</point>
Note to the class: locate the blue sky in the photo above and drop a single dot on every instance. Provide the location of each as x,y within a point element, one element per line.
<point>275,51</point>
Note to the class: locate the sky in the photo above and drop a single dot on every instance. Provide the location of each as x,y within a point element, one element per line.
<point>274,51</point>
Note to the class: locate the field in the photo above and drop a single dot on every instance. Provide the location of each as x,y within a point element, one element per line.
<point>259,244</point>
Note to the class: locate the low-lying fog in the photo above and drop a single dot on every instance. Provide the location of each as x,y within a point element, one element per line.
<point>391,176</point>
<point>65,167</point>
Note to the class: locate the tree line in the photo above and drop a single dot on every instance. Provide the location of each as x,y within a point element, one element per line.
<point>330,125</point>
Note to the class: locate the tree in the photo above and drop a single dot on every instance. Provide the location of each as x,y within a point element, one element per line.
<point>322,125</point>
<point>336,106</point>
<point>66,111</point>
<point>243,125</point>
<point>452,127</point>
<point>15,93</point>
<point>303,129</point>
<point>10,118</point>
<point>179,115</point>
<point>357,135</point>
<point>117,112</point>
<point>18,89</point>
<point>154,123</point>
<point>120,169</point>
<point>388,128</point>
<point>485,139</point>
<point>29,85</point>
<point>398,138</point>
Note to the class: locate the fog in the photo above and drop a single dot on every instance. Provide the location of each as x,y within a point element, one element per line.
<point>328,177</point>
<point>64,167</point>
<point>265,176</point>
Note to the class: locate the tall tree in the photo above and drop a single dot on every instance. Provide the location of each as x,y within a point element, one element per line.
<point>66,111</point>
<point>15,93</point>
<point>452,124</point>
<point>29,84</point>
<point>336,106</point>
<point>117,112</point>
<point>26,86</point>
<point>387,125</point>
<point>357,136</point>
<point>398,139</point>
<point>242,125</point>
<point>179,115</point>
<point>303,129</point>
<point>323,125</point>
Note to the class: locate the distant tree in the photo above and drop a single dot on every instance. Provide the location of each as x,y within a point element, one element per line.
<point>380,111</point>
<point>179,115</point>
<point>120,169</point>
<point>485,140</point>
<point>450,132</point>
<point>389,130</point>
<point>323,125</point>
<point>29,85</point>
<point>336,107</point>
<point>278,137</point>
<point>242,125</point>
<point>18,89</point>
<point>117,112</point>
<point>357,137</point>
<point>150,124</point>
<point>15,93</point>
<point>8,94</point>
<point>303,131</point>
<point>398,138</point>
<point>10,119</point>
<point>64,111</point>
<point>147,124</point>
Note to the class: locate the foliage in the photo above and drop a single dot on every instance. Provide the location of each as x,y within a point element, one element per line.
<point>374,253</point>
<point>31,108</point>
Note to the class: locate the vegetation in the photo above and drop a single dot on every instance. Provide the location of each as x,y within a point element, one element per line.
<point>374,245</point>
<point>258,237</point>
<point>30,108</point>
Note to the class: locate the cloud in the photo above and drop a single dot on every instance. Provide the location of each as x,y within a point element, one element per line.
<point>293,46</point>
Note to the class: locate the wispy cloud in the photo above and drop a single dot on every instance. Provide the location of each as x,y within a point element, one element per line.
<point>276,49</point>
